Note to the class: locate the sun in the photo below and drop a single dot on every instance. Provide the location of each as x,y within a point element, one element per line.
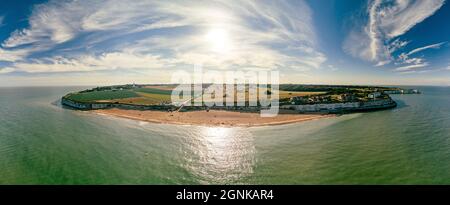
<point>218,40</point>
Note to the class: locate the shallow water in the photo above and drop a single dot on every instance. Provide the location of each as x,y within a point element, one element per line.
<point>41,143</point>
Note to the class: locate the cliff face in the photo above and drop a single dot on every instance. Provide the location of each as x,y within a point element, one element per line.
<point>309,108</point>
<point>344,107</point>
<point>378,104</point>
<point>75,105</point>
<point>95,106</point>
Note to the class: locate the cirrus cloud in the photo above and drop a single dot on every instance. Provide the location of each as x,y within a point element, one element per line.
<point>387,20</point>
<point>83,36</point>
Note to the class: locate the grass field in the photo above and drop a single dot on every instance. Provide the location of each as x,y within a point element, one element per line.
<point>140,96</point>
<point>155,95</point>
<point>282,95</point>
<point>161,87</point>
<point>139,101</point>
<point>289,94</point>
<point>102,95</point>
<point>153,91</point>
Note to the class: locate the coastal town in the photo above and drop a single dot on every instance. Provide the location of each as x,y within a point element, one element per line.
<point>340,99</point>
<point>295,98</point>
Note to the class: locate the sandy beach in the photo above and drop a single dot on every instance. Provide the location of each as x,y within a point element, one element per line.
<point>211,118</point>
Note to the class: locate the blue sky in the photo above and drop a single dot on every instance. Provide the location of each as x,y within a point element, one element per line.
<point>392,42</point>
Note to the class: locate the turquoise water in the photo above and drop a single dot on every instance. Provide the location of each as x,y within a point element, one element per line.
<point>41,143</point>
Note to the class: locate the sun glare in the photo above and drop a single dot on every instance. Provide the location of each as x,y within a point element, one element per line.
<point>218,40</point>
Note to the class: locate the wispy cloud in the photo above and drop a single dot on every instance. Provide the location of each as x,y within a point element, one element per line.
<point>387,21</point>
<point>109,61</point>
<point>2,18</point>
<point>435,46</point>
<point>164,34</point>
<point>50,24</point>
<point>333,68</point>
<point>13,55</point>
<point>6,70</point>
<point>416,62</point>
<point>411,67</point>
<point>397,44</point>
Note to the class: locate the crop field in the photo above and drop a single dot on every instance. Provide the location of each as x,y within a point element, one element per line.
<point>153,90</point>
<point>142,96</point>
<point>289,94</point>
<point>139,101</point>
<point>255,95</point>
<point>155,95</point>
<point>161,87</point>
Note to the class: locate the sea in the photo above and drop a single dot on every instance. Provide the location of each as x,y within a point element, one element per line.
<point>43,143</point>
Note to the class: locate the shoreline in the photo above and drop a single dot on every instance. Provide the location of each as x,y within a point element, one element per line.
<point>211,118</point>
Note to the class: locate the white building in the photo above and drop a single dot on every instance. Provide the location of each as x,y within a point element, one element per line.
<point>374,95</point>
<point>322,107</point>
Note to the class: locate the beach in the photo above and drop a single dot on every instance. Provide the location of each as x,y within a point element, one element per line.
<point>211,118</point>
<point>44,143</point>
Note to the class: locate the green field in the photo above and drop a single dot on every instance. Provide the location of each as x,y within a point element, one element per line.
<point>154,95</point>
<point>140,96</point>
<point>153,91</point>
<point>289,94</point>
<point>102,95</point>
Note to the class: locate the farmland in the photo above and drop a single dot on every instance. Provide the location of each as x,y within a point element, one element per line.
<point>126,95</point>
<point>161,94</point>
<point>156,94</point>
<point>102,95</point>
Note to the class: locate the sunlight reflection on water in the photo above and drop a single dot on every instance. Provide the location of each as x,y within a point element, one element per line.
<point>221,154</point>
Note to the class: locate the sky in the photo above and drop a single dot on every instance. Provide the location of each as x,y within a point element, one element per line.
<point>105,42</point>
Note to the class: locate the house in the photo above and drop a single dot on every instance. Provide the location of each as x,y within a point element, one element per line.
<point>374,95</point>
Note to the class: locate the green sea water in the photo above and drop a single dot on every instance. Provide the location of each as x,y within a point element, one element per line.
<point>42,143</point>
